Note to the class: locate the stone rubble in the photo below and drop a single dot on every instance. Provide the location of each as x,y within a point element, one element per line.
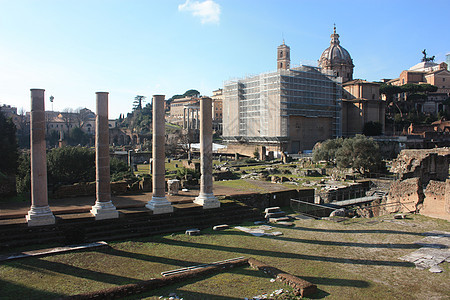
<point>259,231</point>
<point>275,293</point>
<point>435,250</point>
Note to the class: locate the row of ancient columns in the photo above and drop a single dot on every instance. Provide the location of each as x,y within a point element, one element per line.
<point>190,119</point>
<point>40,213</point>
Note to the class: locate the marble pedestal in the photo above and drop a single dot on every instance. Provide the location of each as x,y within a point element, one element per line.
<point>104,210</point>
<point>207,201</point>
<point>159,205</point>
<point>39,216</point>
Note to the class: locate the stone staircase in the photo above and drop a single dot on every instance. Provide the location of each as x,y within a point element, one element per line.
<point>132,223</point>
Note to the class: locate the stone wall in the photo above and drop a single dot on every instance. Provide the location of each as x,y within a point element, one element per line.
<point>247,149</point>
<point>352,191</point>
<point>427,164</point>
<point>404,196</point>
<point>282,198</point>
<point>435,203</point>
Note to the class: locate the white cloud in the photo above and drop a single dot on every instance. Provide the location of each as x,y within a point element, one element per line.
<point>208,11</point>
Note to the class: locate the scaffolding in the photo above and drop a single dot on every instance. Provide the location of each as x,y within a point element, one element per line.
<point>264,103</point>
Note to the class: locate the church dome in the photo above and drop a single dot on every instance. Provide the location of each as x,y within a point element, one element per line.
<point>337,58</point>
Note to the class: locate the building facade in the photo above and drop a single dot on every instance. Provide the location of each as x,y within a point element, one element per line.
<point>426,72</point>
<point>361,103</point>
<point>290,109</point>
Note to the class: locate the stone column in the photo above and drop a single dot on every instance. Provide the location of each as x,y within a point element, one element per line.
<point>159,204</point>
<point>187,119</point>
<point>206,196</point>
<point>197,121</point>
<point>103,208</point>
<point>184,117</point>
<point>39,213</point>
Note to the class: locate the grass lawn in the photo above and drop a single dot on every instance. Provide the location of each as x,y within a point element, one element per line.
<point>355,259</point>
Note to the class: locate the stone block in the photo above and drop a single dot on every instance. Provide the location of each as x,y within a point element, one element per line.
<point>279,219</point>
<point>287,224</point>
<point>193,231</point>
<point>272,209</point>
<point>275,215</point>
<point>221,227</point>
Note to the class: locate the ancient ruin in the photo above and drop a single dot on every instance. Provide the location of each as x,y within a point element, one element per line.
<point>40,213</point>
<point>423,184</point>
<point>103,208</point>
<point>206,197</point>
<point>159,203</point>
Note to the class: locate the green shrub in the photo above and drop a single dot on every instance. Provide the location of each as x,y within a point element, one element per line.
<point>182,172</point>
<point>23,175</point>
<point>68,165</point>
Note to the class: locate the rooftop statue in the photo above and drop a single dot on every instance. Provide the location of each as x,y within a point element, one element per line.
<point>425,58</point>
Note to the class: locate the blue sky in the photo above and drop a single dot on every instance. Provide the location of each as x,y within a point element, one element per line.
<point>73,49</point>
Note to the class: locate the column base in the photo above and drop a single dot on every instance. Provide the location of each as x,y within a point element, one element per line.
<point>104,210</point>
<point>159,205</point>
<point>40,216</point>
<point>207,201</point>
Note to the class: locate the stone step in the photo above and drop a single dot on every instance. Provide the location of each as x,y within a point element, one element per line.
<point>83,227</point>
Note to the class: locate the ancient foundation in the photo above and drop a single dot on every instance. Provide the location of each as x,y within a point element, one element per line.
<point>39,213</point>
<point>103,208</point>
<point>206,197</point>
<point>159,204</point>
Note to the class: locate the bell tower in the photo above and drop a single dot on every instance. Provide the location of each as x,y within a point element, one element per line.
<point>283,57</point>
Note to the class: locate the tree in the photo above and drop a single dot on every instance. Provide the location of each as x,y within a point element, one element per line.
<point>78,137</point>
<point>327,150</point>
<point>137,103</point>
<point>8,146</point>
<point>68,116</point>
<point>179,142</point>
<point>191,93</point>
<point>23,175</point>
<point>82,115</point>
<point>68,165</point>
<point>360,153</point>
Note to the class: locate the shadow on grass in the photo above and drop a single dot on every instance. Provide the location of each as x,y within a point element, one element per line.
<point>384,231</point>
<point>165,260</point>
<point>10,290</point>
<point>336,281</point>
<point>149,258</point>
<point>211,284</point>
<point>39,265</point>
<point>271,253</point>
<point>352,244</point>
